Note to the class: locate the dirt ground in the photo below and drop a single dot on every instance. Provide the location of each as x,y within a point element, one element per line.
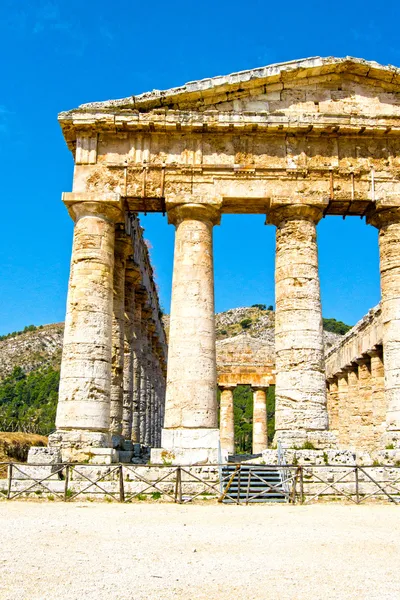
<point>56,551</point>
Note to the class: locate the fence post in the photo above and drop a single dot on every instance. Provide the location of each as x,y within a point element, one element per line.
<point>357,488</point>
<point>301,485</point>
<point>121,484</point>
<point>294,487</point>
<point>66,483</point>
<point>178,486</point>
<point>10,468</point>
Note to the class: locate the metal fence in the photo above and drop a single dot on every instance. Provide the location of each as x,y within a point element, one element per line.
<point>183,484</point>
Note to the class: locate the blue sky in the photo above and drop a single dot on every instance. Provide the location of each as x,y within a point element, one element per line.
<point>58,54</point>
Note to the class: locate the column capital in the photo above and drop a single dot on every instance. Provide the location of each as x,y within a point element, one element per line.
<point>289,212</point>
<point>227,386</point>
<point>261,388</point>
<point>194,211</point>
<point>123,244</point>
<point>381,216</point>
<point>377,351</point>
<point>82,204</point>
<point>132,271</point>
<point>363,360</point>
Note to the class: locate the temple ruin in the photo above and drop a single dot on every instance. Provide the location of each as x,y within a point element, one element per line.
<point>296,141</point>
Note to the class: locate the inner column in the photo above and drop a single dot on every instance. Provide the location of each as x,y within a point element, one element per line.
<point>190,432</point>
<point>260,436</point>
<point>226,421</point>
<point>301,411</point>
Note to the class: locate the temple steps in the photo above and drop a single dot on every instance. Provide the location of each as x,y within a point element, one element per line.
<point>253,483</point>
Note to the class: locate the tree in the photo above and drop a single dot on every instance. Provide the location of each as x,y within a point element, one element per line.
<point>245,323</point>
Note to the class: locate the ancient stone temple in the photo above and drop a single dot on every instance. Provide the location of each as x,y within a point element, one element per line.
<point>295,141</point>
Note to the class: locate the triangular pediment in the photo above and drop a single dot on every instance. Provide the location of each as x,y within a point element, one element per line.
<point>253,89</point>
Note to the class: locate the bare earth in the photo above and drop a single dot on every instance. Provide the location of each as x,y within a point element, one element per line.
<point>57,551</point>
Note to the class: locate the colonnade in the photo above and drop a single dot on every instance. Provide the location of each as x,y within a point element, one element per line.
<point>227,420</point>
<point>112,383</point>
<point>356,402</point>
<point>113,367</point>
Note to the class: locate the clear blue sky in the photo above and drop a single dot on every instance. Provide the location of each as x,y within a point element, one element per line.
<point>58,54</point>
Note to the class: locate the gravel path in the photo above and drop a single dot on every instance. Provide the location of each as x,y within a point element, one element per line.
<point>56,551</point>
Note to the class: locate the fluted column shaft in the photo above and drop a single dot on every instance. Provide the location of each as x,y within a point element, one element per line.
<point>333,404</point>
<point>192,377</point>
<point>388,222</point>
<point>84,394</point>
<point>227,421</point>
<point>131,277</point>
<point>260,436</point>
<point>123,246</point>
<point>137,370</point>
<point>378,399</point>
<point>300,364</point>
<point>342,423</point>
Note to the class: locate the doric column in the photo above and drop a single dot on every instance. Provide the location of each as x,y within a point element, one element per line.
<point>143,377</point>
<point>333,403</point>
<point>83,412</point>
<point>300,364</point>
<point>260,436</point>
<point>343,417</point>
<point>190,431</point>
<point>388,223</point>
<point>378,399</point>
<point>132,275</point>
<point>137,369</point>
<point>123,247</point>
<point>150,327</point>
<point>353,416</point>
<point>226,420</point>
<point>364,406</point>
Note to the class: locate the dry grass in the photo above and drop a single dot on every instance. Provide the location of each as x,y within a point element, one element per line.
<point>14,447</point>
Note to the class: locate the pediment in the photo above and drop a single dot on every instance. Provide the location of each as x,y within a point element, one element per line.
<point>293,81</point>
<point>324,93</point>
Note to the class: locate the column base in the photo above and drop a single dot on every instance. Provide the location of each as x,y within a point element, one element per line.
<point>79,445</point>
<point>187,447</point>
<point>300,439</point>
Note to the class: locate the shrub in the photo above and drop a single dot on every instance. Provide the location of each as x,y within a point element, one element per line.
<point>245,323</point>
<point>308,446</point>
<point>270,307</point>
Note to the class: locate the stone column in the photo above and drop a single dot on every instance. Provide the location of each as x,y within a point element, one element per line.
<point>378,399</point>
<point>333,404</point>
<point>137,369</point>
<point>365,432</point>
<point>83,412</point>
<point>301,411</point>
<point>190,431</point>
<point>143,368</point>
<point>342,423</point>
<point>260,436</point>
<point>123,247</point>
<point>353,416</point>
<point>388,222</point>
<point>226,421</point>
<point>132,276</point>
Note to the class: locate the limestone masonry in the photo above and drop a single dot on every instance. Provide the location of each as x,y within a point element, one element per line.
<point>296,141</point>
